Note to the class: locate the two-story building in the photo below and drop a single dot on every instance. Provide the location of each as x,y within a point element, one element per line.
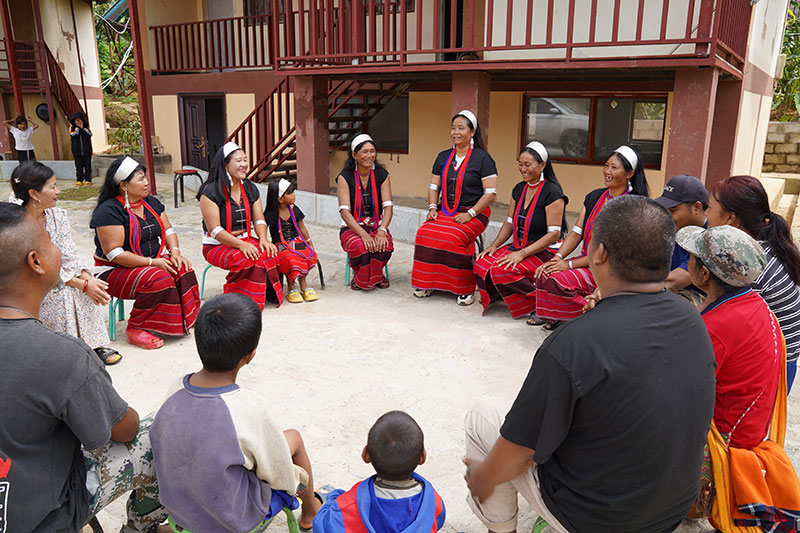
<point>687,82</point>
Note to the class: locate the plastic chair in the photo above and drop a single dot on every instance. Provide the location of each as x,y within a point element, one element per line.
<point>118,305</point>
<point>347,270</point>
<point>205,271</point>
<point>291,522</point>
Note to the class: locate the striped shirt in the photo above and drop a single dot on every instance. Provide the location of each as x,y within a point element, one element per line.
<point>783,297</point>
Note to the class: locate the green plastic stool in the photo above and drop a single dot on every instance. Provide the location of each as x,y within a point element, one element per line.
<point>203,281</point>
<point>291,522</point>
<point>347,270</point>
<point>116,311</point>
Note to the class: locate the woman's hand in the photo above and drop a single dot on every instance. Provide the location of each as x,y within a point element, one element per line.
<point>462,218</point>
<point>164,264</point>
<point>265,246</point>
<point>97,289</point>
<point>511,260</point>
<point>248,250</point>
<point>178,261</point>
<point>381,241</point>
<point>369,242</point>
<point>488,251</point>
<point>433,214</point>
<point>556,264</point>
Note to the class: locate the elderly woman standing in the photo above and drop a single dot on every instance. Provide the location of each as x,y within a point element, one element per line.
<point>562,285</point>
<point>73,306</point>
<point>365,205</point>
<point>138,257</point>
<point>465,177</point>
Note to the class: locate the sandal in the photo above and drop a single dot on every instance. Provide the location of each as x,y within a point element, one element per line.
<point>321,498</point>
<point>551,325</point>
<point>310,295</point>
<point>109,356</point>
<point>143,339</point>
<point>294,296</point>
<point>422,293</point>
<point>534,320</point>
<point>465,299</point>
<point>354,286</point>
<point>383,284</point>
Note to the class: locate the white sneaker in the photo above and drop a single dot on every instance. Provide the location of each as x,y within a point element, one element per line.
<point>422,293</point>
<point>465,299</point>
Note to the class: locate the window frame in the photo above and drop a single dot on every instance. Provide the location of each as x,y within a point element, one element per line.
<point>593,102</point>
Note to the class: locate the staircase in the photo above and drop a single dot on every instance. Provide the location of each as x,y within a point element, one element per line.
<point>268,135</point>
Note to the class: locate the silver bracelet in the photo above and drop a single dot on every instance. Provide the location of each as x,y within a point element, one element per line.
<point>570,264</point>
<point>150,259</point>
<point>472,212</point>
<point>558,254</point>
<point>381,228</point>
<point>174,248</point>
<point>432,206</point>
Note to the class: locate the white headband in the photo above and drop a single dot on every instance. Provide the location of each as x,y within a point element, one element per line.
<point>539,148</point>
<point>470,116</point>
<point>629,154</point>
<point>360,139</point>
<point>282,186</point>
<point>229,147</point>
<point>125,169</point>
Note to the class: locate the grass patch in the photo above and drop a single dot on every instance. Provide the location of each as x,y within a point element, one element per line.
<point>79,194</point>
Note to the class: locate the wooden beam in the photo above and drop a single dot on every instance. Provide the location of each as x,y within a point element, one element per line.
<point>80,67</point>
<point>144,94</point>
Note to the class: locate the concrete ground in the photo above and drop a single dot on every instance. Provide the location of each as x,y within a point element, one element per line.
<point>330,368</point>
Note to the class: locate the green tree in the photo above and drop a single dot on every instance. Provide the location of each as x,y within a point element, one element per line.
<point>117,70</point>
<point>786,99</point>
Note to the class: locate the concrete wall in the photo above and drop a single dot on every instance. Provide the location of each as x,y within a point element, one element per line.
<point>782,150</point>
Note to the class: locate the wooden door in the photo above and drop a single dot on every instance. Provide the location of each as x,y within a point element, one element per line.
<point>194,128</point>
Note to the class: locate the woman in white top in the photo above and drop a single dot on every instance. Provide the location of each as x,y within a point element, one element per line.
<point>22,131</point>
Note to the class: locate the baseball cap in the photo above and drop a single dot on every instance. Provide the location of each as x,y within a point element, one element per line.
<point>681,189</point>
<point>731,254</point>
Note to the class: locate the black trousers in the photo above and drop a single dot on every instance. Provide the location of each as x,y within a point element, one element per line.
<point>83,168</point>
<point>25,155</point>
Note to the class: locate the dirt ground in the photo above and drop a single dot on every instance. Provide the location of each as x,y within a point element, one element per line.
<point>331,367</point>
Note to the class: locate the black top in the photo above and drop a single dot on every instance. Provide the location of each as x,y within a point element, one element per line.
<point>550,193</point>
<point>590,200</point>
<point>81,138</point>
<point>480,165</point>
<point>238,215</point>
<point>617,406</point>
<point>289,231</point>
<point>113,213</point>
<point>366,195</point>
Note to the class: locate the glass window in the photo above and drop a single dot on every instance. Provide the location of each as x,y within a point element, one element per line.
<point>618,123</point>
<point>561,124</point>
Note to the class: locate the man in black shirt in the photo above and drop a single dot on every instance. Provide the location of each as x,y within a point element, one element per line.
<point>607,431</point>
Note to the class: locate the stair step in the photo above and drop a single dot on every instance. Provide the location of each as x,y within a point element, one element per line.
<point>356,118</point>
<point>787,207</point>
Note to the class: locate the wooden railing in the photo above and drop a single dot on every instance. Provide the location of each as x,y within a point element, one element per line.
<point>435,34</point>
<point>62,90</point>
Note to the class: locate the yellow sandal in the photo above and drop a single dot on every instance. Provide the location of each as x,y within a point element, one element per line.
<point>294,296</point>
<point>310,295</point>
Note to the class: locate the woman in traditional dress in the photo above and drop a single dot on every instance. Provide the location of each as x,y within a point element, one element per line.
<point>365,205</point>
<point>466,178</point>
<point>138,256</point>
<point>562,285</point>
<point>73,306</point>
<point>235,231</point>
<point>535,222</point>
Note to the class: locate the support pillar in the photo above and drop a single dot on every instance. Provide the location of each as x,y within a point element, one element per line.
<point>144,95</point>
<point>470,90</point>
<point>48,90</point>
<point>311,125</point>
<point>691,120</point>
<point>724,132</point>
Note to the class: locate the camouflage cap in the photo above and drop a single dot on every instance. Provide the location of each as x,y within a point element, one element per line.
<point>729,253</point>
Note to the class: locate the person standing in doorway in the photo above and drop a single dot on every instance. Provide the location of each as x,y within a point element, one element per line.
<point>81,148</point>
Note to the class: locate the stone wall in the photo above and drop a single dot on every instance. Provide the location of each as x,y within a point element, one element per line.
<point>782,151</point>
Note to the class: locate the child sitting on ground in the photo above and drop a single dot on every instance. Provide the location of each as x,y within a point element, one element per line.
<point>222,464</point>
<point>295,254</point>
<point>394,500</point>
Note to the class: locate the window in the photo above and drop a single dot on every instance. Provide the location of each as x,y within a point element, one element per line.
<point>261,7</point>
<point>587,129</point>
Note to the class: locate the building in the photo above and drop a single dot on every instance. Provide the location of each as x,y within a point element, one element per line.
<point>49,69</point>
<point>687,82</point>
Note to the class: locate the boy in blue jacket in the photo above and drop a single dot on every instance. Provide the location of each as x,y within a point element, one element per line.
<point>394,500</point>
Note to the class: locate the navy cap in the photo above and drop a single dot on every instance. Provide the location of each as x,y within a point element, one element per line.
<point>682,189</point>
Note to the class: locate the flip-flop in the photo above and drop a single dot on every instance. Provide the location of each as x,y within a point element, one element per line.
<point>551,325</point>
<point>143,339</point>
<point>383,284</point>
<point>534,320</point>
<point>109,356</point>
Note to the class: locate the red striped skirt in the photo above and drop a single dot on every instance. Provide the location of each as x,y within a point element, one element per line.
<point>443,254</point>
<point>163,303</point>
<point>246,276</point>
<point>367,266</point>
<point>563,295</point>
<point>293,265</point>
<point>517,286</point>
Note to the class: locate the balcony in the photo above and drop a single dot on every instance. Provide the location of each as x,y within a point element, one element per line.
<point>342,36</point>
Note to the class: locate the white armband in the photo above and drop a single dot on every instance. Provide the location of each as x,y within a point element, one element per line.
<point>472,212</point>
<point>381,228</point>
<point>216,231</point>
<point>387,203</point>
<point>553,228</point>
<point>170,231</point>
<point>490,190</point>
<point>577,230</point>
<point>509,220</point>
<point>343,207</point>
<point>114,253</point>
<point>261,222</point>
<point>433,187</point>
